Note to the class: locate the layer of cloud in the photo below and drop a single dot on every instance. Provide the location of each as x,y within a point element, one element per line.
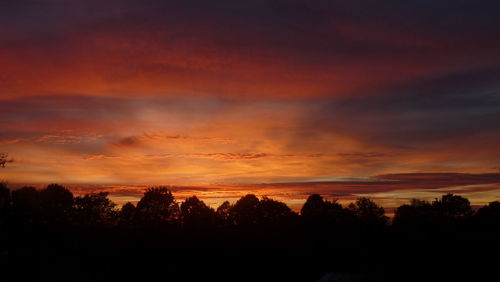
<point>162,140</point>
<point>251,49</point>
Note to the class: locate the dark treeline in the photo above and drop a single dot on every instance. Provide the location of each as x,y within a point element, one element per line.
<point>60,237</point>
<point>55,205</point>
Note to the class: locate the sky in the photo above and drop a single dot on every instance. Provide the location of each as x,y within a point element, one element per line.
<point>388,99</point>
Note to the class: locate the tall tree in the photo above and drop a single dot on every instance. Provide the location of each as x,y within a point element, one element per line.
<point>326,214</point>
<point>247,210</point>
<point>5,203</point>
<point>5,198</point>
<point>56,203</point>
<point>369,213</point>
<point>26,205</point>
<point>196,213</point>
<point>415,215</point>
<point>489,216</point>
<point>452,207</point>
<point>127,214</point>
<point>94,209</point>
<point>157,206</point>
<point>275,211</point>
<point>316,206</point>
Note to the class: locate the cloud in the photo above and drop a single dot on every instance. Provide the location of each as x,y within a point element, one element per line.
<point>436,180</point>
<point>217,156</point>
<point>362,155</point>
<point>130,141</point>
<point>250,49</point>
<point>10,141</point>
<point>62,138</point>
<point>99,157</point>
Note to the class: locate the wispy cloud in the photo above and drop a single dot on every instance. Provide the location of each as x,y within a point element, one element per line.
<point>67,138</point>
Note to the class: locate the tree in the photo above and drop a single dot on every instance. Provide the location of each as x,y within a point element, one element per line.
<point>275,211</point>
<point>452,207</point>
<point>324,213</point>
<point>317,207</point>
<point>369,213</point>
<point>5,203</point>
<point>94,209</point>
<point>157,206</point>
<point>417,214</point>
<point>4,159</point>
<point>196,213</point>
<point>26,205</point>
<point>127,214</point>
<point>56,203</point>
<point>313,207</point>
<point>247,210</point>
<point>4,197</point>
<point>223,213</point>
<point>489,216</point>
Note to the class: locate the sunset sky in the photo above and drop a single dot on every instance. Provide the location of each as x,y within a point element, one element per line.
<point>390,99</point>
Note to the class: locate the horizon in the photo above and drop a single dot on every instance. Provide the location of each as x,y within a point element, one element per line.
<point>389,191</point>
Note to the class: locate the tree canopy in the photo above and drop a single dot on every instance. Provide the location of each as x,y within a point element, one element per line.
<point>157,206</point>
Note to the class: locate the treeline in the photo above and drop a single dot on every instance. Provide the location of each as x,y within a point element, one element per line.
<point>51,235</point>
<point>55,205</point>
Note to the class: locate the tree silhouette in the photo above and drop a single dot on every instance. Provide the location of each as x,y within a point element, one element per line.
<point>56,203</point>
<point>489,216</point>
<point>5,203</point>
<point>452,208</point>
<point>5,198</point>
<point>157,206</point>
<point>247,210</point>
<point>326,214</point>
<point>26,205</point>
<point>317,207</point>
<point>223,211</point>
<point>4,159</point>
<point>196,213</point>
<point>275,211</point>
<point>127,214</point>
<point>369,213</point>
<point>314,207</point>
<point>94,209</point>
<point>416,215</point>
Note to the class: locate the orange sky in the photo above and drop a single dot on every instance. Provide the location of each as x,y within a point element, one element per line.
<point>121,93</point>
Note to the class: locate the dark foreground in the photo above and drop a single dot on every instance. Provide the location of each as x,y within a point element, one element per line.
<point>241,255</point>
<point>50,235</point>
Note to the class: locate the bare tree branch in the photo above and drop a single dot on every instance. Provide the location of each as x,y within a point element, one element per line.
<point>4,159</point>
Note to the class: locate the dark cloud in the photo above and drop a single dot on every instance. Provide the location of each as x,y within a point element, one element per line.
<point>391,182</point>
<point>425,112</point>
<point>230,48</point>
<point>362,155</point>
<point>130,141</point>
